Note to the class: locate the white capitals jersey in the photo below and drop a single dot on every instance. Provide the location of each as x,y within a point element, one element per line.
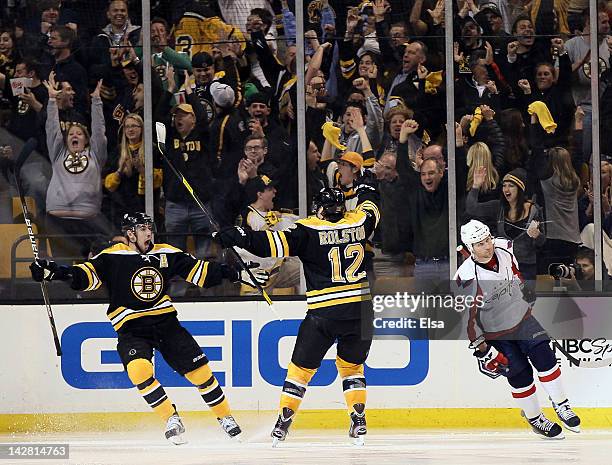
<point>497,304</point>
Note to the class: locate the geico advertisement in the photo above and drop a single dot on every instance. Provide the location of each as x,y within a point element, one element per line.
<point>244,349</point>
<point>249,350</point>
<point>248,347</point>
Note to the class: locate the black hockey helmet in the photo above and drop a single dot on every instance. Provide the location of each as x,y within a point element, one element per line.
<point>131,220</point>
<point>331,200</point>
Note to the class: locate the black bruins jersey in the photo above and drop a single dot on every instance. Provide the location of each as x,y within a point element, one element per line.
<point>333,255</point>
<point>137,283</point>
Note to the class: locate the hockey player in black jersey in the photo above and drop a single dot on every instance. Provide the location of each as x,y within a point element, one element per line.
<point>331,245</point>
<point>137,277</point>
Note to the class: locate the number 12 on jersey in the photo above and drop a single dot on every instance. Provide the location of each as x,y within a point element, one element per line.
<point>352,274</point>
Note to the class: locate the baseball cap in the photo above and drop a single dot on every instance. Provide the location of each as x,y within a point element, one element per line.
<point>353,158</point>
<point>257,184</point>
<point>222,94</point>
<point>202,60</point>
<point>187,108</point>
<point>492,7</point>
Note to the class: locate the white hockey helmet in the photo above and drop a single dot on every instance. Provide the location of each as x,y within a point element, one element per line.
<point>473,232</point>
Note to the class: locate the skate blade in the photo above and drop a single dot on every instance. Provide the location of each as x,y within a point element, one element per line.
<point>275,442</point>
<point>547,438</point>
<point>237,438</point>
<point>177,440</point>
<point>573,429</point>
<point>358,441</point>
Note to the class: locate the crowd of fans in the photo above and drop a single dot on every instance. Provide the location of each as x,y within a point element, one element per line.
<point>225,85</point>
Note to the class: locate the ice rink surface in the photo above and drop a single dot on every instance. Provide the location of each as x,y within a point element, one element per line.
<point>326,447</point>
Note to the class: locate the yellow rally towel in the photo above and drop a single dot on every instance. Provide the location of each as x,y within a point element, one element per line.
<point>332,133</point>
<point>544,116</point>
<point>476,120</point>
<point>432,82</point>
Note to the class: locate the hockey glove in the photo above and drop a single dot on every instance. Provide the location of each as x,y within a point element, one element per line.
<point>232,236</point>
<point>492,362</point>
<point>48,270</point>
<point>367,180</point>
<point>529,294</point>
<point>261,276</point>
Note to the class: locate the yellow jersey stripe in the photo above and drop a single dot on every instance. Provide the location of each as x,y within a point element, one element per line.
<point>133,316</point>
<point>159,303</point>
<point>330,290</point>
<point>203,274</point>
<point>273,251</point>
<point>283,238</point>
<point>87,273</point>
<point>346,300</point>
<point>193,271</point>
<point>115,312</point>
<point>97,282</point>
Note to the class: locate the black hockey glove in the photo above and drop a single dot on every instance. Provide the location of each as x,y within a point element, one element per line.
<point>48,270</point>
<point>529,294</point>
<point>232,236</point>
<point>492,362</point>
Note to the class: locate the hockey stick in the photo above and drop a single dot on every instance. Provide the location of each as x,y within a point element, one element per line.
<point>606,362</point>
<point>160,130</point>
<point>28,148</point>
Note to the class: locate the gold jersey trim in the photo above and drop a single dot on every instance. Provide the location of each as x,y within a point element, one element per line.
<point>279,247</point>
<point>93,280</point>
<point>198,273</point>
<point>121,315</point>
<point>350,219</point>
<point>340,301</point>
<point>338,295</point>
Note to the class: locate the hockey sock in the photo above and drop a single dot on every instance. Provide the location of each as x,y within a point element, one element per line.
<point>527,400</point>
<point>210,390</point>
<point>140,372</point>
<point>353,382</point>
<point>551,382</point>
<point>295,386</point>
<point>543,359</point>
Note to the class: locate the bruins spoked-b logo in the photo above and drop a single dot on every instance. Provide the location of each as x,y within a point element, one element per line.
<point>147,284</point>
<point>76,163</point>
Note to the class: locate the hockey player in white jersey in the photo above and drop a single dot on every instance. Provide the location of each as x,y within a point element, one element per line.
<point>506,338</point>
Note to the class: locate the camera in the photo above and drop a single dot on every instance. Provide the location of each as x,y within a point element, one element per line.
<point>560,270</point>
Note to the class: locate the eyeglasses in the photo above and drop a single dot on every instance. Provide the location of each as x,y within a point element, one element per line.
<point>253,148</point>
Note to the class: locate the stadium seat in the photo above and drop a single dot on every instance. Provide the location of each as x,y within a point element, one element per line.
<point>18,211</point>
<point>11,233</point>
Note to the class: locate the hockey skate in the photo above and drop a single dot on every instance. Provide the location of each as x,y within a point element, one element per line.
<point>358,430</point>
<point>568,418</point>
<point>279,433</point>
<point>544,427</point>
<point>230,426</point>
<point>174,430</point>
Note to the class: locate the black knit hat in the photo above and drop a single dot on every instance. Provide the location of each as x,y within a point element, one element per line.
<point>517,176</point>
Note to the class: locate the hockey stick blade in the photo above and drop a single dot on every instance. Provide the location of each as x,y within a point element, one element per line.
<point>160,129</point>
<point>28,147</point>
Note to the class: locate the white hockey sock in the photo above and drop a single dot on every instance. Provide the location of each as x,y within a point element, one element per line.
<point>527,400</point>
<point>551,381</point>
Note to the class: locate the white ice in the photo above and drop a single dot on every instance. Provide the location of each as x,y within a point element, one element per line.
<point>327,447</point>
